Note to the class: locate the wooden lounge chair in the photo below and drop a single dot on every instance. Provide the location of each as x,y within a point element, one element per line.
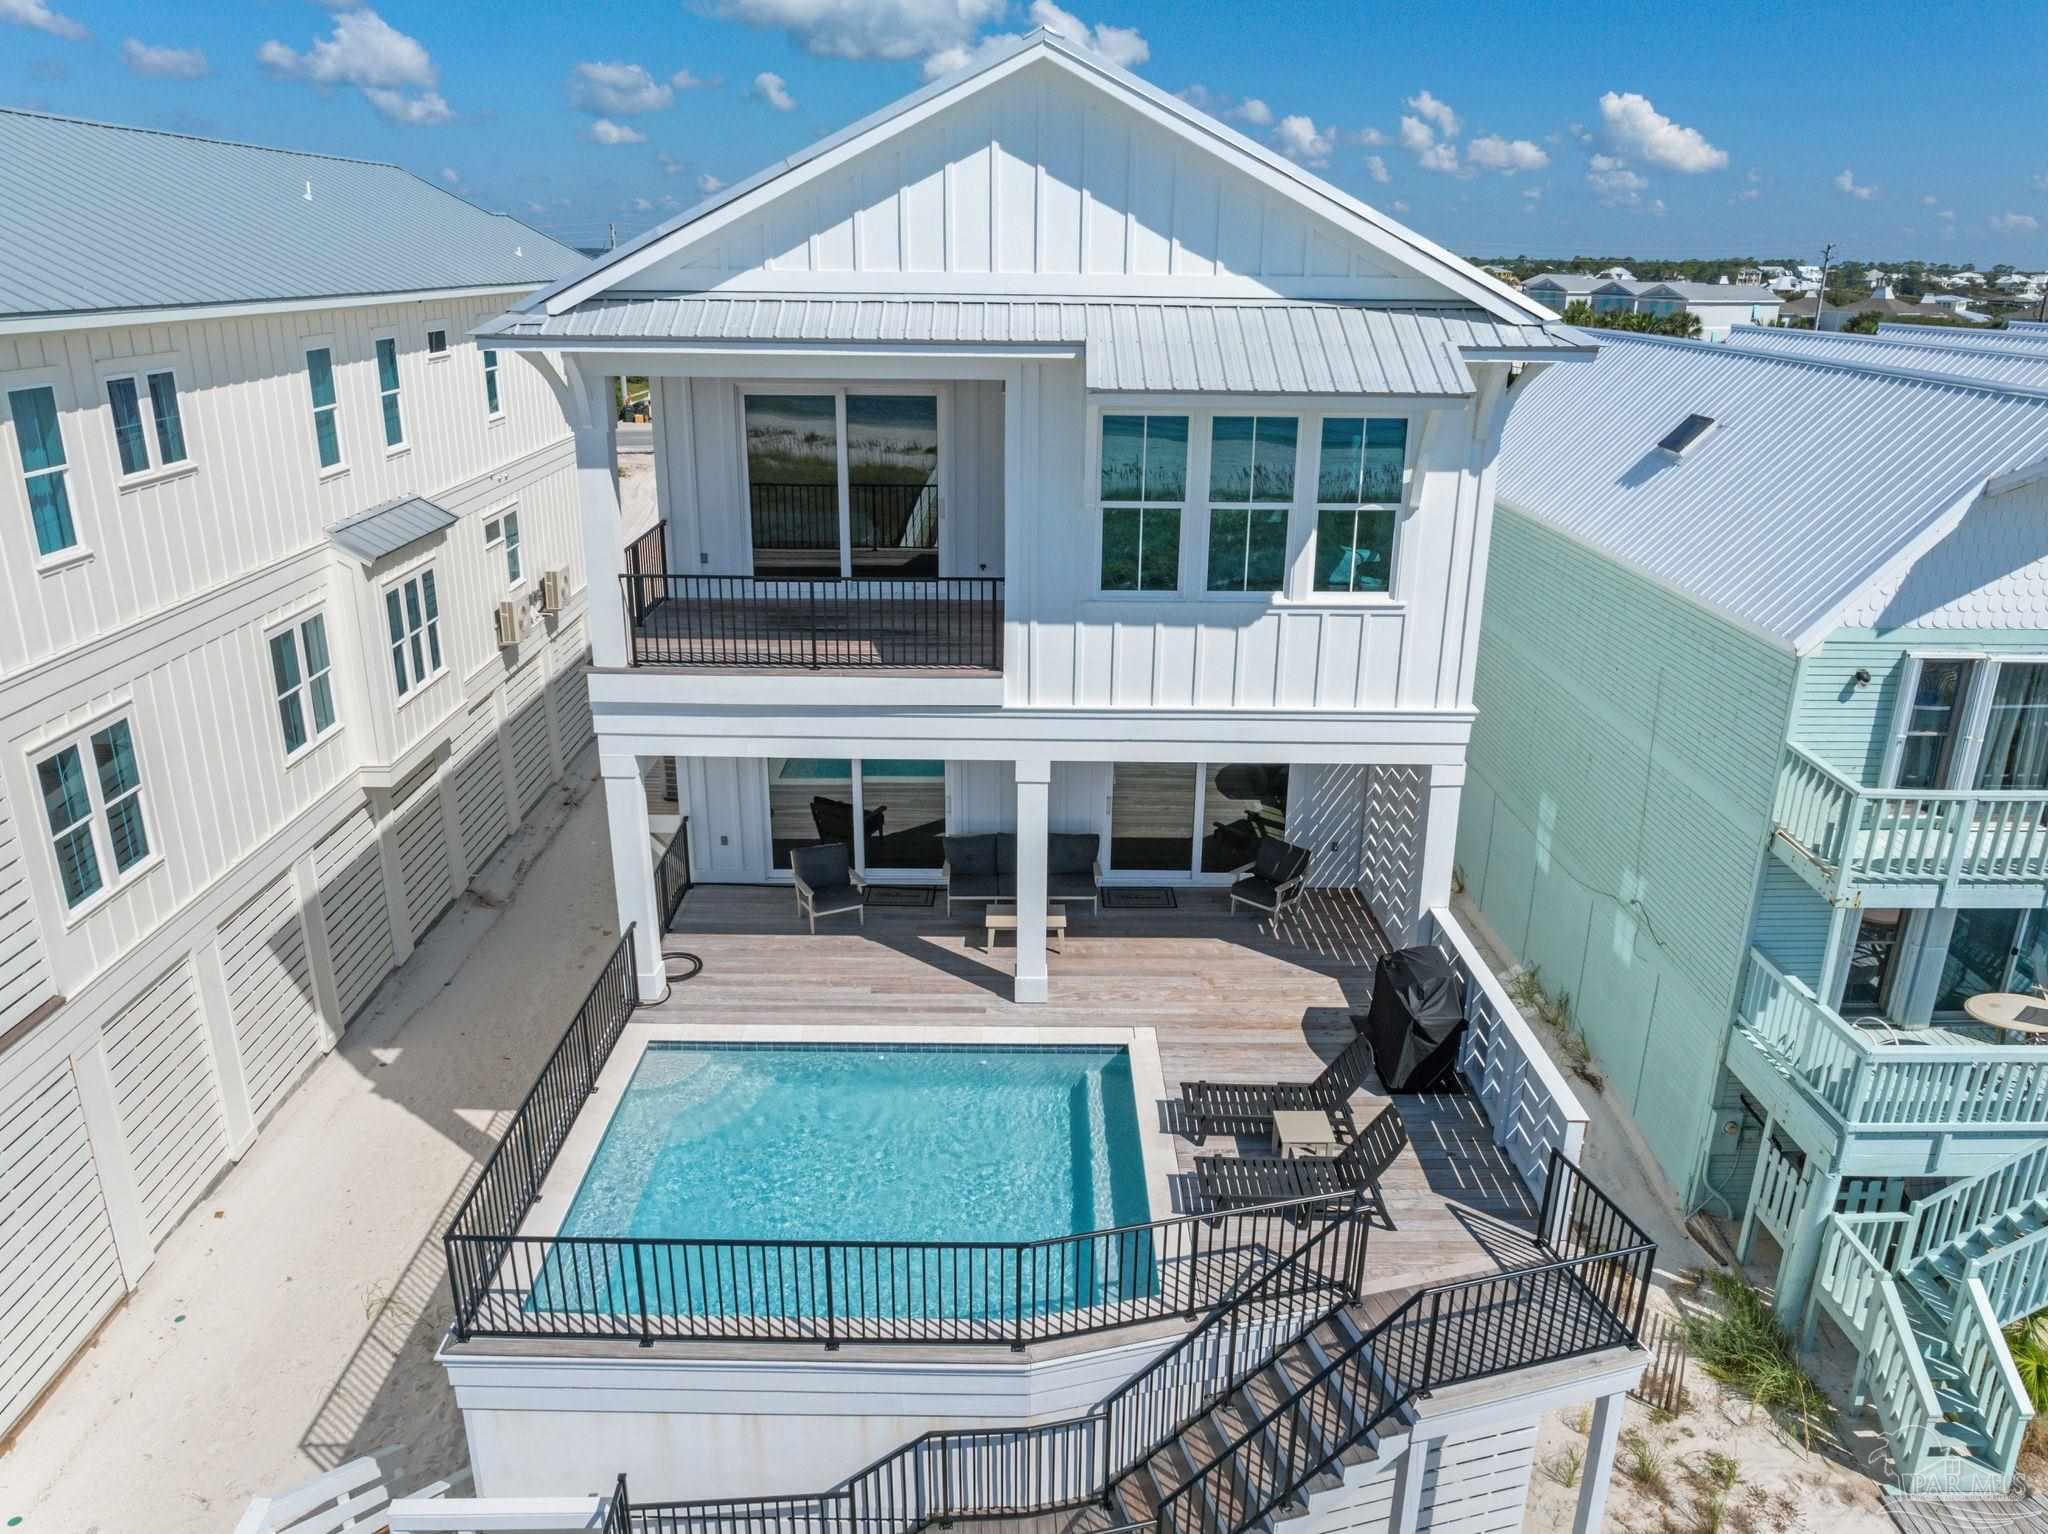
<point>1247,1107</point>
<point>826,884</point>
<point>1237,1182</point>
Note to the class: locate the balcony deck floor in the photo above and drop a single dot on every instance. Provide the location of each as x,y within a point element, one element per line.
<point>1229,997</point>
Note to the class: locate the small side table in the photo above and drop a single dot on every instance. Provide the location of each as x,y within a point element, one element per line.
<point>1303,1132</point>
<point>2011,1012</point>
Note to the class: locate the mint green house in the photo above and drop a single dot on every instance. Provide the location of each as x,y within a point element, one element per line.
<point>1760,781</point>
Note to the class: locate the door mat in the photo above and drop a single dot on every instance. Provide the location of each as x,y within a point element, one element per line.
<point>904,896</point>
<point>1138,897</point>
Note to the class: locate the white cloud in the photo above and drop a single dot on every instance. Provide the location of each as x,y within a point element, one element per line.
<point>1613,182</point>
<point>1442,158</point>
<point>1509,155</point>
<point>708,183</point>
<point>1252,110</point>
<point>670,165</point>
<point>1372,138</point>
<point>868,29</point>
<point>774,90</point>
<point>1300,139</point>
<point>1533,193</point>
<point>1415,134</point>
<point>1638,127</point>
<point>1657,207</point>
<point>617,90</point>
<point>154,63</point>
<point>642,205</point>
<point>394,72</point>
<point>2014,223</point>
<point>1751,193</point>
<point>1124,47</point>
<point>1846,182</point>
<point>34,13</point>
<point>1376,168</point>
<point>684,80</point>
<point>451,175</point>
<point>1947,215</point>
<point>1928,199</point>
<point>605,131</point>
<point>1431,110</point>
<point>536,208</point>
<point>2040,180</point>
<point>1399,206</point>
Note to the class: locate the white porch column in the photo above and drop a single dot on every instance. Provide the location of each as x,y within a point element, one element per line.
<point>1925,956</point>
<point>1405,1516</point>
<point>589,407</point>
<point>1843,922</point>
<point>1599,1468</point>
<point>625,801</point>
<point>1802,1255</point>
<point>1034,807</point>
<point>1439,840</point>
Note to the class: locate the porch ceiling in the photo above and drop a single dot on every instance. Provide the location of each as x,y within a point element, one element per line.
<point>1229,998</point>
<point>1180,347</point>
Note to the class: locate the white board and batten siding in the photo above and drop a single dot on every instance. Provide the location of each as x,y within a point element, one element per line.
<point>59,1269</point>
<point>24,963</point>
<point>168,1096</point>
<point>270,993</point>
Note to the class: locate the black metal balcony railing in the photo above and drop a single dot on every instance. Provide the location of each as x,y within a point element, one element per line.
<point>943,623</point>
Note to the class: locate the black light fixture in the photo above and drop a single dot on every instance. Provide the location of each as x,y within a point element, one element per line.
<point>1862,676</point>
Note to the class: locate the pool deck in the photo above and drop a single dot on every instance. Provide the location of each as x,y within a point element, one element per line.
<point>1228,997</point>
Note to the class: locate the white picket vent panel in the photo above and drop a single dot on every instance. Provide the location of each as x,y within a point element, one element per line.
<point>352,900</point>
<point>270,993</point>
<point>59,1273</point>
<point>480,786</point>
<point>572,692</point>
<point>24,966</point>
<point>423,852</point>
<point>169,1097</point>
<point>526,711</point>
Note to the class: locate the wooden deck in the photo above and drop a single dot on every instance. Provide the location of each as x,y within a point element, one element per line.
<point>1228,996</point>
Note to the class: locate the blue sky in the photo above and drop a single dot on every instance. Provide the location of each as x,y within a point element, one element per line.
<point>1596,128</point>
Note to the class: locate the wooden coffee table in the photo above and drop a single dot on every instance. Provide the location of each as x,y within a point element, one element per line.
<point>1001,916</point>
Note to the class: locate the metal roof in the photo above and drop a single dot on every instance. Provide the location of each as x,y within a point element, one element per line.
<point>388,528</point>
<point>1959,336</point>
<point>1571,282</point>
<point>1818,478</point>
<point>1159,346</point>
<point>2025,366</point>
<point>102,218</point>
<point>1708,292</point>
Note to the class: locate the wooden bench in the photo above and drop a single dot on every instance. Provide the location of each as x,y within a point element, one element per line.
<point>1001,916</point>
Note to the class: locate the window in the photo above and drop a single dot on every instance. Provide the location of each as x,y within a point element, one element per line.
<point>414,615</point>
<point>437,343</point>
<point>2015,755</point>
<point>305,691</point>
<point>40,442</point>
<point>1144,478</point>
<point>1933,730</point>
<point>1358,495</point>
<point>1251,486</point>
<point>387,392</point>
<point>95,814</point>
<point>491,384</point>
<point>504,530</point>
<point>164,434</point>
<point>326,420</point>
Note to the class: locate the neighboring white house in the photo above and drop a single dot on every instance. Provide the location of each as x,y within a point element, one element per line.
<point>263,507</point>
<point>1554,290</point>
<point>1031,455</point>
<point>1719,305</point>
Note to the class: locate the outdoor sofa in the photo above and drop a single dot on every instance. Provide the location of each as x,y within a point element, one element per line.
<point>984,868</point>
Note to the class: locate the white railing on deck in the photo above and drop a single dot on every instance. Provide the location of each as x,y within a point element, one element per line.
<point>1961,1207</point>
<point>1867,1081</point>
<point>1860,835</point>
<point>1890,1374</point>
<point>1527,1100</point>
<point>1994,1384</point>
<point>495,1515</point>
<point>1781,1190</point>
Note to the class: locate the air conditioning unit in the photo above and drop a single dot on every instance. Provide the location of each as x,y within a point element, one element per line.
<point>513,621</point>
<point>554,590</point>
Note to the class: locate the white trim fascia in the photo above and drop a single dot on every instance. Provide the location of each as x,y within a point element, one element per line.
<point>112,319</point>
<point>1400,244</point>
<point>850,350</point>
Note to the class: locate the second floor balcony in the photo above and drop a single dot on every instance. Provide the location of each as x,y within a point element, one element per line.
<point>1905,847</point>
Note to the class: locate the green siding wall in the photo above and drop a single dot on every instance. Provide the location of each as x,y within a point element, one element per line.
<point>1791,925</point>
<point>1621,777</point>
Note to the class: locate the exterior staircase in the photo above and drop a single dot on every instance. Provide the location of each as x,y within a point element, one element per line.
<point>1926,1295</point>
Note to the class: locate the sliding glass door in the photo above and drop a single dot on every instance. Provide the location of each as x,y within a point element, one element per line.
<point>889,814</point>
<point>1186,820</point>
<point>843,484</point>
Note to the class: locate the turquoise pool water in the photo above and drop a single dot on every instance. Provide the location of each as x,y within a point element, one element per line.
<point>820,769</point>
<point>867,1143</point>
<point>739,1162</point>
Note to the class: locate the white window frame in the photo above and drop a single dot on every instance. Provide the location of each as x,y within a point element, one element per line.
<point>1309,485</point>
<point>316,734</point>
<point>1206,510</point>
<point>113,879</point>
<point>490,357</point>
<point>447,341</point>
<point>1190,504</point>
<point>139,371</point>
<point>307,346</point>
<point>78,551</point>
<point>497,524</point>
<point>396,391</point>
<point>416,643</point>
<point>1193,875</point>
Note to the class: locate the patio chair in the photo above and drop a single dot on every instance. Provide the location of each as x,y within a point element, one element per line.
<point>834,820</point>
<point>1238,1182</point>
<point>1073,867</point>
<point>1273,878</point>
<point>826,884</point>
<point>343,1498</point>
<point>1247,1107</point>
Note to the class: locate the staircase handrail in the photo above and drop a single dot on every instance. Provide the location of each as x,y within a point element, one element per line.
<point>1978,1340</point>
<point>1962,1206</point>
<point>2014,1276</point>
<point>1888,1352</point>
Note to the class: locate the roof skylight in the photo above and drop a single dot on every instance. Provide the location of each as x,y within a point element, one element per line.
<point>1686,435</point>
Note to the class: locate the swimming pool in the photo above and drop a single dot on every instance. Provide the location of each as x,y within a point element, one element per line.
<point>748,1161</point>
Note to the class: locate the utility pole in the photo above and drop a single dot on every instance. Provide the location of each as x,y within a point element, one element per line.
<point>1820,299</point>
<point>611,236</point>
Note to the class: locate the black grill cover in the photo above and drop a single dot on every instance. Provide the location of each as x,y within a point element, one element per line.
<point>1417,1017</point>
